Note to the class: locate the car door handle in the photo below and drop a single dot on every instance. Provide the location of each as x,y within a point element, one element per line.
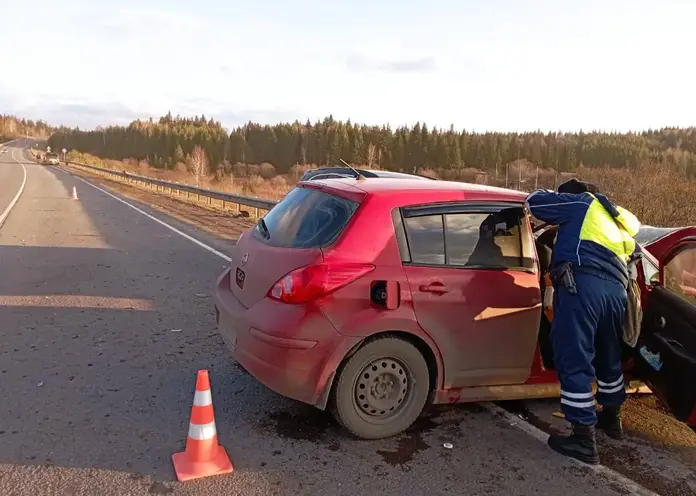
<point>438,288</point>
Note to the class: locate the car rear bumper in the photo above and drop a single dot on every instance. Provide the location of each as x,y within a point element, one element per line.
<point>285,347</point>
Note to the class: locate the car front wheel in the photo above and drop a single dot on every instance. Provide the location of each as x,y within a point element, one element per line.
<point>381,389</point>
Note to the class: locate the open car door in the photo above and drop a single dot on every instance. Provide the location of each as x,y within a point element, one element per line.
<point>665,355</point>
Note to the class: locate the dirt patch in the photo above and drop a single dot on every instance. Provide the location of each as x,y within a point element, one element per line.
<point>307,424</point>
<point>649,420</point>
<point>311,424</point>
<point>521,409</point>
<point>410,442</point>
<point>628,462</point>
<point>646,419</point>
<point>210,218</point>
<point>654,450</point>
<point>160,488</point>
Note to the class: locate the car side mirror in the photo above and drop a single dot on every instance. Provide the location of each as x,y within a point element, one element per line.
<point>655,279</point>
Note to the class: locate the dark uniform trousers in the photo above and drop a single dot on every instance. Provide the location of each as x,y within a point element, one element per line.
<point>586,335</point>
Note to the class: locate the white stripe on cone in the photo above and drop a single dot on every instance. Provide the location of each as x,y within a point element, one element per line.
<point>202,432</point>
<point>202,398</point>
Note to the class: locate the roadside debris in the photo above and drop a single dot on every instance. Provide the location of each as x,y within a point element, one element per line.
<point>448,445</point>
<point>174,330</point>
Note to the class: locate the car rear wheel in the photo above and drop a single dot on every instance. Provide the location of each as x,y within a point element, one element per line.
<point>381,389</point>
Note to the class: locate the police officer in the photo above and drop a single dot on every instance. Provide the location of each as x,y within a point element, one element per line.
<point>590,276</point>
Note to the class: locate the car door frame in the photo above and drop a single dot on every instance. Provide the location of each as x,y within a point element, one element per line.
<point>661,340</point>
<point>453,376</point>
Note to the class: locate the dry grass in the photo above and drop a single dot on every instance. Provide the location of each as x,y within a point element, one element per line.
<point>242,179</point>
<point>658,196</point>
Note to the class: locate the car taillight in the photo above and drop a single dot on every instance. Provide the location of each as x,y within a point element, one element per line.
<point>314,281</point>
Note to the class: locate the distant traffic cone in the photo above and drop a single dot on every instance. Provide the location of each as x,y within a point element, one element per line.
<point>74,193</point>
<point>203,456</point>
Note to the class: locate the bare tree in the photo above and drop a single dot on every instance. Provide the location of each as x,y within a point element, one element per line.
<point>198,164</point>
<point>372,152</point>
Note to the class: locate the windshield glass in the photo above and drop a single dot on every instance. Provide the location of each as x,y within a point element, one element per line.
<point>306,218</point>
<point>648,234</point>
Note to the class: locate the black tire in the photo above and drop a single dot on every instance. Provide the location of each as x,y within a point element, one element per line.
<point>375,417</point>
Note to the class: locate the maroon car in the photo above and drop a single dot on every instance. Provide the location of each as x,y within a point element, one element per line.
<point>374,296</point>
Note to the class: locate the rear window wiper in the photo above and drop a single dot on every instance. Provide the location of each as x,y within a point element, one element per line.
<point>264,229</point>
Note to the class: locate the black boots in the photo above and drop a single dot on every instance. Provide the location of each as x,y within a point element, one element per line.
<point>609,421</point>
<point>581,444</point>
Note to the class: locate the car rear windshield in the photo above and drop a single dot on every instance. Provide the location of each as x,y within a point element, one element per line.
<point>305,218</point>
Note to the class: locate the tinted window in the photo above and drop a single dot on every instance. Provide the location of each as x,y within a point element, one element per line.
<point>306,218</point>
<point>485,240</point>
<point>471,239</point>
<point>426,239</point>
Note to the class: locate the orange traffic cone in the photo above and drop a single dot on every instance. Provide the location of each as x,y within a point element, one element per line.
<point>203,456</point>
<point>74,193</point>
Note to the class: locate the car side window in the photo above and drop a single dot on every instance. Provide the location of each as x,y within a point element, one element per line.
<point>650,270</point>
<point>485,240</point>
<point>680,273</point>
<point>426,239</point>
<point>493,239</point>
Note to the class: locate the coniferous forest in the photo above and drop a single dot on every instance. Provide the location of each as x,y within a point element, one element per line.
<point>12,127</point>
<point>171,140</point>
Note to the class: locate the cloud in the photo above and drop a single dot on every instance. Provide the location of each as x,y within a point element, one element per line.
<point>357,62</point>
<point>91,114</point>
<point>232,114</point>
<point>86,115</point>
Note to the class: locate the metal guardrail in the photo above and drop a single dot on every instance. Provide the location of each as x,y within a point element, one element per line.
<point>247,201</point>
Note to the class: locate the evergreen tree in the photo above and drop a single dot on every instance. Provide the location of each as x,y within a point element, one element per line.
<point>168,140</point>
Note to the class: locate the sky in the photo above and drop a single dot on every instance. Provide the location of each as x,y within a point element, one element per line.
<point>494,65</point>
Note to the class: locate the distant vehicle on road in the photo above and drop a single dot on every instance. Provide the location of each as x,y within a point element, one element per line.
<point>373,297</point>
<point>50,159</point>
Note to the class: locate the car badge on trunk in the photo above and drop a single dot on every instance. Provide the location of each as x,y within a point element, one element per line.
<point>245,259</point>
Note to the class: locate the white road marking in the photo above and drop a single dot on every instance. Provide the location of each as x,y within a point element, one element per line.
<point>172,228</point>
<point>526,427</point>
<point>632,486</point>
<point>19,193</point>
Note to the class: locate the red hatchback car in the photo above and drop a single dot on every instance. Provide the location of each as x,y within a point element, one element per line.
<point>374,296</point>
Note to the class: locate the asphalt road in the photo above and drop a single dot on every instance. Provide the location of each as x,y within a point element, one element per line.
<point>105,317</point>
